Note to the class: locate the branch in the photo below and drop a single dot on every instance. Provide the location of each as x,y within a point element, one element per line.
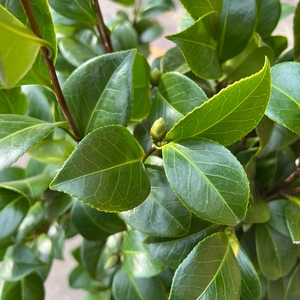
<point>103,31</point>
<point>51,69</point>
<point>151,150</point>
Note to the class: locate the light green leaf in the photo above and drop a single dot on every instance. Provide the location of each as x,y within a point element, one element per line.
<point>286,10</point>
<point>105,171</point>
<point>172,104</point>
<point>18,134</point>
<point>208,179</point>
<point>258,211</point>
<point>125,2</point>
<point>198,44</point>
<point>13,209</point>
<point>268,14</point>
<point>155,7</point>
<point>284,106</point>
<point>137,261</point>
<point>28,288</point>
<point>293,287</point>
<point>230,114</point>
<point>104,95</point>
<point>173,61</point>
<point>141,77</point>
<point>124,36</point>
<point>137,288</point>
<point>13,101</point>
<point>161,214</point>
<point>292,216</point>
<point>297,33</point>
<point>93,224</point>
<point>275,252</point>
<point>209,271</point>
<point>19,261</point>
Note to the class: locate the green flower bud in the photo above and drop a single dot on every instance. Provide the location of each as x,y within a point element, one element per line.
<point>112,261</point>
<point>158,130</point>
<point>155,77</point>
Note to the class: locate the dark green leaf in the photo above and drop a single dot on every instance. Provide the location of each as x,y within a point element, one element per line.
<point>161,214</point>
<point>268,14</point>
<point>93,224</point>
<point>112,179</point>
<point>104,95</point>
<point>148,30</point>
<point>292,216</point>
<point>297,33</point>
<point>173,61</point>
<point>125,36</point>
<point>275,289</point>
<point>171,104</point>
<point>13,209</point>
<point>19,134</point>
<point>19,261</point>
<point>293,287</point>
<point>137,288</point>
<point>28,288</point>
<point>202,57</point>
<point>13,101</point>
<point>277,43</point>
<point>275,252</point>
<point>226,117</point>
<point>284,106</point>
<point>137,261</point>
<point>4,244</point>
<point>258,211</point>
<point>155,7</point>
<point>208,179</point>
<point>12,173</point>
<point>209,271</point>
<point>277,216</point>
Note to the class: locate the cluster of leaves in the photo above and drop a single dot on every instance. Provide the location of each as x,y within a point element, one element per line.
<point>211,210</point>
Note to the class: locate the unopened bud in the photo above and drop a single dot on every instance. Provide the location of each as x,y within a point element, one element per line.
<point>155,76</point>
<point>158,130</point>
<point>112,261</point>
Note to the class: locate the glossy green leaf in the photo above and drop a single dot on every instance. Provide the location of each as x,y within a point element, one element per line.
<point>13,209</point>
<point>202,57</point>
<point>93,224</point>
<point>112,179</point>
<point>277,43</point>
<point>268,13</point>
<point>12,173</point>
<point>201,8</point>
<point>141,88</point>
<point>277,216</point>
<point>161,214</point>
<point>19,261</point>
<point>124,36</point>
<point>173,61</point>
<point>297,33</point>
<point>210,270</point>
<point>104,95</point>
<point>125,2</point>
<point>57,234</point>
<point>292,216</point>
<point>13,101</point>
<point>28,288</point>
<point>293,287</point>
<point>233,112</point>
<point>275,252</point>
<point>148,29</point>
<point>258,211</point>
<point>137,261</point>
<point>284,106</point>
<point>4,244</point>
<point>137,288</point>
<point>78,10</point>
<point>208,179</point>
<point>155,7</point>
<point>18,134</point>
<point>171,104</point>
<point>172,251</point>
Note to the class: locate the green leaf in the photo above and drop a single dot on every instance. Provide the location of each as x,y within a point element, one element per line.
<point>284,106</point>
<point>19,261</point>
<point>226,117</point>
<point>137,288</point>
<point>4,244</point>
<point>268,14</point>
<point>104,95</point>
<point>12,173</point>
<point>293,287</point>
<point>148,30</point>
<point>111,180</point>
<point>208,179</point>
<point>202,57</point>
<point>292,216</point>
<point>98,296</point>
<point>275,252</point>
<point>28,288</point>
<point>201,8</point>
<point>258,211</point>
<point>137,261</point>
<point>13,101</point>
<point>93,224</point>
<point>210,270</point>
<point>125,2</point>
<point>172,105</point>
<point>13,209</point>
<point>141,77</point>
<point>277,43</point>
<point>297,33</point>
<point>18,134</point>
<point>286,10</point>
<point>124,36</point>
<point>172,251</point>
<point>173,61</point>
<point>78,10</point>
<point>155,7</point>
<point>277,216</point>
<point>161,214</point>
<point>275,289</point>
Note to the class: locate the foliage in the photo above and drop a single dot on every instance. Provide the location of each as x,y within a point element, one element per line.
<point>182,178</point>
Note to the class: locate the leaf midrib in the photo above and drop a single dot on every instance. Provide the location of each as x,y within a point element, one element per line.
<point>287,95</point>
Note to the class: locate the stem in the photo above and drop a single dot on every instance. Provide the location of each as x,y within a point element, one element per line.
<point>150,151</point>
<point>136,10</point>
<point>50,66</point>
<point>103,31</point>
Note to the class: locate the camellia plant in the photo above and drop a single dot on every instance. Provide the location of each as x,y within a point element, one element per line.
<point>183,177</point>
